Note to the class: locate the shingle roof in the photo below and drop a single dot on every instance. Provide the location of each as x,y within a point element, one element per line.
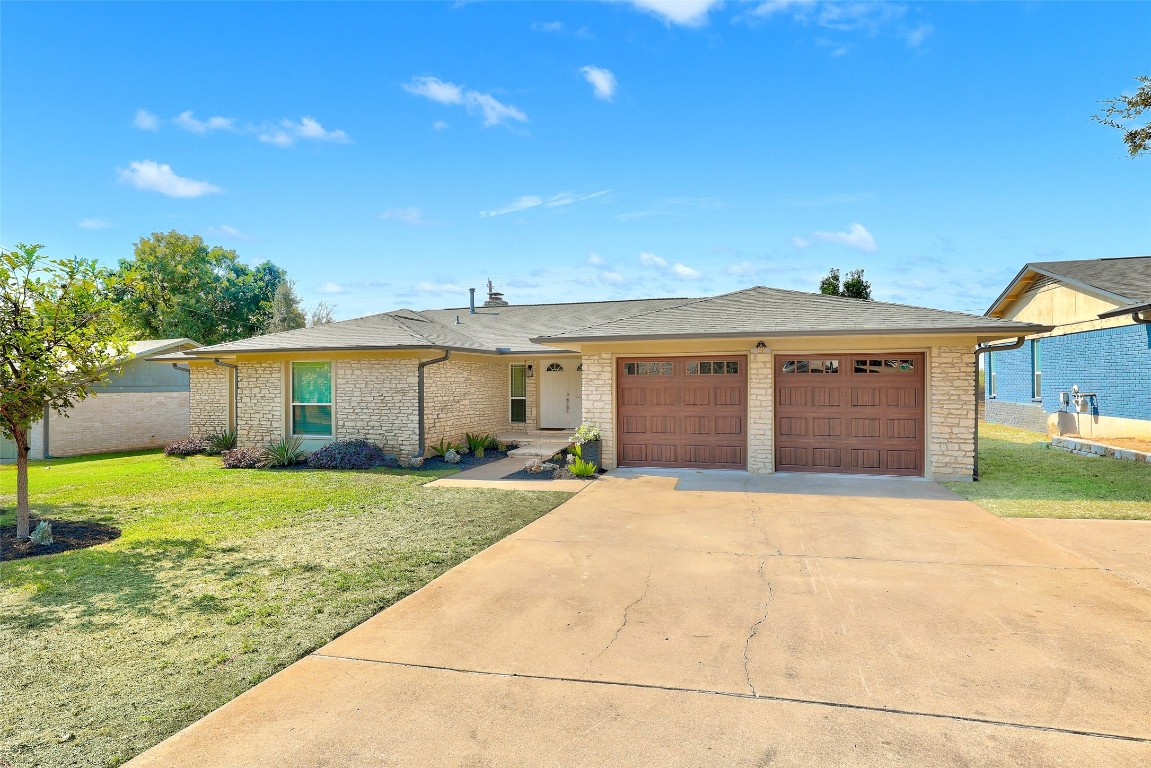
<point>1125,280</point>
<point>771,312</point>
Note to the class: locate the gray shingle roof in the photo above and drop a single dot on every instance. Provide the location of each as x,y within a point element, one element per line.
<point>771,312</point>
<point>542,328</point>
<point>1127,278</point>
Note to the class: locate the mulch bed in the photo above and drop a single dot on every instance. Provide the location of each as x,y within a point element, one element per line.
<point>467,461</point>
<point>557,474</point>
<point>66,535</point>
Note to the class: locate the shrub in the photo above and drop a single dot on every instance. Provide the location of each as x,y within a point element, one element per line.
<point>451,456</point>
<point>477,444</point>
<point>217,443</point>
<point>284,452</point>
<point>186,447</point>
<point>587,433</point>
<point>348,454</point>
<point>413,463</point>
<point>581,468</point>
<point>42,534</point>
<point>443,446</point>
<point>244,458</point>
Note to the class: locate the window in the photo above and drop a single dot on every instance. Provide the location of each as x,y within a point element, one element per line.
<point>519,394</point>
<point>990,371</point>
<point>554,368</point>
<point>887,365</point>
<point>1036,371</point>
<point>647,369</point>
<point>312,399</point>
<point>705,367</point>
<point>810,366</point>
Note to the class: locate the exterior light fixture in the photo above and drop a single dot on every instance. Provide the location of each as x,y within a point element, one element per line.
<point>760,345</point>
<point>531,370</point>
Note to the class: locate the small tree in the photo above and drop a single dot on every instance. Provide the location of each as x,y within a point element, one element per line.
<point>854,287</point>
<point>60,332</point>
<point>321,315</point>
<point>287,314</point>
<point>1137,138</point>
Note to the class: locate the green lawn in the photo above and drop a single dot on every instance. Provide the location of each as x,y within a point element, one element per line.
<point>221,578</point>
<point>1020,476</point>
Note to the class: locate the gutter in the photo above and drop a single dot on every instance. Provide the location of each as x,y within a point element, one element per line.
<point>979,350</point>
<point>420,396</point>
<point>1135,310</point>
<point>235,390</point>
<point>1029,328</point>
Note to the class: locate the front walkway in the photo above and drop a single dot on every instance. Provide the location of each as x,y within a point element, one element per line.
<point>825,621</point>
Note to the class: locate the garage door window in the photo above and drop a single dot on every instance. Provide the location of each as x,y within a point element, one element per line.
<point>810,366</point>
<point>887,365</point>
<point>647,369</point>
<point>709,368</point>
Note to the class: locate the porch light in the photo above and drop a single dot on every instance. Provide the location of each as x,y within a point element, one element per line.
<point>531,370</point>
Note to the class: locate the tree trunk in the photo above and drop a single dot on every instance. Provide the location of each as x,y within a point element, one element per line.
<point>22,523</point>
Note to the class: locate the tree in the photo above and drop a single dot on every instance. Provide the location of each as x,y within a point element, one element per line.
<point>1137,138</point>
<point>177,286</point>
<point>287,314</point>
<point>854,287</point>
<point>60,332</point>
<point>321,315</point>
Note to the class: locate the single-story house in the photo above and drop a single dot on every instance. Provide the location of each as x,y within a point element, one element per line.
<point>760,379</point>
<point>1091,373</point>
<point>141,406</point>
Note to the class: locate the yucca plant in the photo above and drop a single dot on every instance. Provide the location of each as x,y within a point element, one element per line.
<point>477,444</point>
<point>219,442</point>
<point>443,446</point>
<point>284,452</point>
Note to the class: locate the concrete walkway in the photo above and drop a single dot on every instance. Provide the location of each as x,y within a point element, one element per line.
<point>807,624</point>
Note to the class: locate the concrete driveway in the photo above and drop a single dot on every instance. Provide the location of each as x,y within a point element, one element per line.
<point>792,621</point>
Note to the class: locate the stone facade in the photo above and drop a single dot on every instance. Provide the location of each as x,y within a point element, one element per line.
<point>598,389</point>
<point>951,414</point>
<point>462,396</point>
<point>376,400</point>
<point>259,404</point>
<point>760,412</point>
<point>208,398</point>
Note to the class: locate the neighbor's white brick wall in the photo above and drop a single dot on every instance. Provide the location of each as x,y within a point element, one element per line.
<point>259,403</point>
<point>462,396</point>
<point>598,391</point>
<point>951,414</point>
<point>760,412</point>
<point>208,399</point>
<point>376,400</point>
<point>117,421</point>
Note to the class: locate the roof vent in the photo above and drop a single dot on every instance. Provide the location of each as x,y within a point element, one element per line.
<point>458,320</point>
<point>495,298</point>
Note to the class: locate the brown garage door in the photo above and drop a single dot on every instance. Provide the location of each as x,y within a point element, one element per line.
<point>682,412</point>
<point>860,413</point>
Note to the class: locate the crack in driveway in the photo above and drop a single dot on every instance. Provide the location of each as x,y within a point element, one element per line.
<point>626,615</point>
<point>755,629</point>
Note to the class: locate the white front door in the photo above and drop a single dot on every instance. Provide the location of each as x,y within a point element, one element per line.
<point>561,396</point>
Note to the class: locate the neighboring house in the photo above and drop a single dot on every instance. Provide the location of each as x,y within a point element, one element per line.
<point>141,406</point>
<point>1100,343</point>
<point>759,379</point>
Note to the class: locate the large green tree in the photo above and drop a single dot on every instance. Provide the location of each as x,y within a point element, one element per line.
<point>60,332</point>
<point>178,286</point>
<point>1127,108</point>
<point>853,287</point>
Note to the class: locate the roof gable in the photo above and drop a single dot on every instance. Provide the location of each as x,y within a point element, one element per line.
<point>1121,281</point>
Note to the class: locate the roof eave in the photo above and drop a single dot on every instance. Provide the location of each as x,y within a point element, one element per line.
<point>1090,290</point>
<point>1025,329</point>
<point>1132,309</point>
<point>208,354</point>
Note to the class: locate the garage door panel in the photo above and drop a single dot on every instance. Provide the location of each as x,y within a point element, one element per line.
<point>792,456</point>
<point>791,396</point>
<point>865,397</point>
<point>826,397</point>
<point>793,426</point>
<point>825,427</point>
<point>633,452</point>
<point>661,425</point>
<point>730,456</point>
<point>697,395</point>
<point>904,397</point>
<point>663,453</point>
<point>698,454</point>
<point>697,425</point>
<point>634,425</point>
<point>632,396</point>
<point>866,458</point>
<point>902,460</point>
<point>827,458</point>
<point>903,429</point>
<point>728,425</point>
<point>865,427</point>
<point>727,396</point>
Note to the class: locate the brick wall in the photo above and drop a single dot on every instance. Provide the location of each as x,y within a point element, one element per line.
<point>118,421</point>
<point>376,400</point>
<point>760,412</point>
<point>259,403</point>
<point>208,399</point>
<point>951,414</point>
<point>468,396</point>
<point>1022,415</point>
<point>598,390</point>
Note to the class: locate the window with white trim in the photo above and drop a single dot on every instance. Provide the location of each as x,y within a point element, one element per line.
<point>312,399</point>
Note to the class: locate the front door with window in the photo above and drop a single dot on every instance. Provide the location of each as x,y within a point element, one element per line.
<point>561,398</point>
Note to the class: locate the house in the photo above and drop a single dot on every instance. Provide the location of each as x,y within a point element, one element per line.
<point>141,406</point>
<point>1099,348</point>
<point>760,379</point>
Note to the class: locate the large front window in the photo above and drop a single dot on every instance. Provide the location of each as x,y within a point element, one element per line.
<point>312,399</point>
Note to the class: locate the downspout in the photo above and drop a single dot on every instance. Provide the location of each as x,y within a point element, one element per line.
<point>979,350</point>
<point>1138,317</point>
<point>235,391</point>
<point>420,397</point>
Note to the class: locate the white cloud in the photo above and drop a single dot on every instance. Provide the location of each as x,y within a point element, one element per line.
<point>916,36</point>
<point>800,243</point>
<point>742,269</point>
<point>93,223</point>
<point>595,259</point>
<point>602,81</point>
<point>287,132</point>
<point>567,198</point>
<point>651,260</point>
<point>188,122</point>
<point>493,111</point>
<point>687,13</point>
<point>685,271</point>
<point>848,16</point>
<point>439,125</point>
<point>856,237</point>
<point>413,217</point>
<point>522,204</point>
<point>146,121</point>
<point>155,177</point>
<point>440,288</point>
<point>534,201</point>
<point>330,287</point>
<point>615,278</point>
<point>228,231</point>
<point>547,26</point>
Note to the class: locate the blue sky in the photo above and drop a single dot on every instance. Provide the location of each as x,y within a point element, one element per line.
<point>391,154</point>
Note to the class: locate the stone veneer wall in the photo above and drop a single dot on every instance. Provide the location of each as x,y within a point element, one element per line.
<point>118,421</point>
<point>951,415</point>
<point>760,412</point>
<point>598,391</point>
<point>462,396</point>
<point>376,400</point>
<point>208,399</point>
<point>259,403</point>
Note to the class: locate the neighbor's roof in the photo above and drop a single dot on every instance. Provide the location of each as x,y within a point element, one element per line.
<point>150,347</point>
<point>1125,281</point>
<point>771,312</point>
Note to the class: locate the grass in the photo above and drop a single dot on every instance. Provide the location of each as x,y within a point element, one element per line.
<point>221,578</point>
<point>1021,476</point>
